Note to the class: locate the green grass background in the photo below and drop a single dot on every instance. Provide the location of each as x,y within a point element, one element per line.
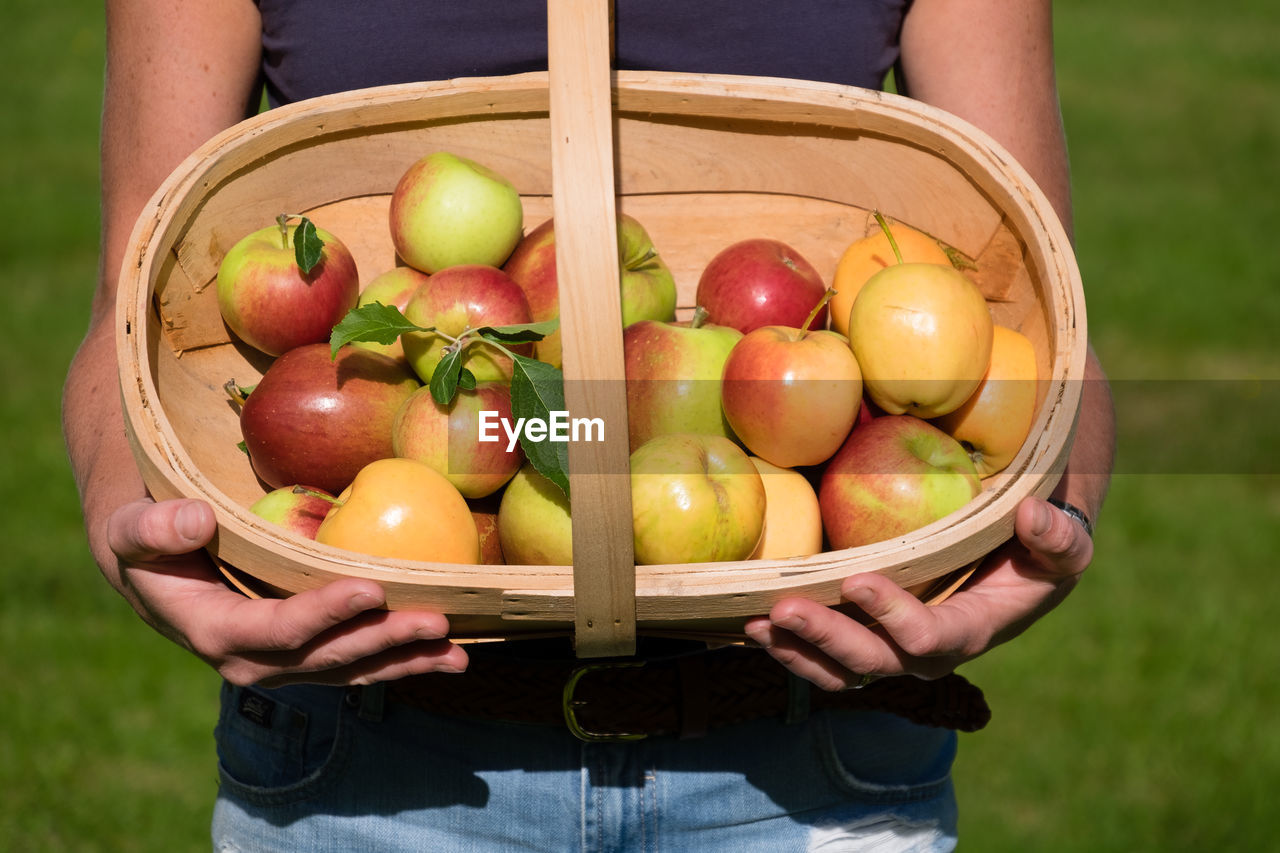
<point>1142,715</point>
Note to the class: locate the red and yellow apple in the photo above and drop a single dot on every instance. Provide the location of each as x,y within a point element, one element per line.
<point>458,299</point>
<point>299,509</point>
<point>393,287</point>
<point>894,474</point>
<point>269,302</point>
<point>448,438</point>
<point>673,374</point>
<point>791,396</point>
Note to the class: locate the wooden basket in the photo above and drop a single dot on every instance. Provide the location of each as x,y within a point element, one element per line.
<point>701,161</point>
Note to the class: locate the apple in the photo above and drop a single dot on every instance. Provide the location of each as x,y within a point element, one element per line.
<point>270,303</point>
<point>893,475</point>
<point>791,395</point>
<point>695,499</point>
<point>299,509</point>
<point>922,336</point>
<point>534,525</point>
<point>792,516</point>
<point>761,282</point>
<point>447,210</point>
<point>393,287</point>
<point>318,420</point>
<point>458,299</point>
<point>648,289</point>
<point>484,512</point>
<point>673,373</point>
<point>400,509</point>
<point>448,437</point>
<point>867,255</point>
<point>994,422</point>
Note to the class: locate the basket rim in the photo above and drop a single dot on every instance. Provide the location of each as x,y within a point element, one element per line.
<point>170,472</point>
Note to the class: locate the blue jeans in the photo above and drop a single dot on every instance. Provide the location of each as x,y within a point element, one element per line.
<point>319,769</point>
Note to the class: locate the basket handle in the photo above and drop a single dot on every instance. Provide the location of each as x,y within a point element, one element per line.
<point>604,580</point>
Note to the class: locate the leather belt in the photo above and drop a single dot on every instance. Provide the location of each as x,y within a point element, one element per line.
<point>683,695</point>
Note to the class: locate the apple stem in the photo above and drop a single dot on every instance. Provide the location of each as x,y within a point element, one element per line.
<point>303,490</point>
<point>813,315</point>
<point>283,221</point>
<point>884,226</point>
<point>236,392</point>
<point>699,317</point>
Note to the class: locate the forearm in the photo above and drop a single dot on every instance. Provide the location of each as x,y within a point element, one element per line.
<point>1087,476</point>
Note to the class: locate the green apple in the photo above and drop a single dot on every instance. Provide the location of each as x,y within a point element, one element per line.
<point>695,499</point>
<point>394,287</point>
<point>448,210</point>
<point>533,521</point>
<point>673,374</point>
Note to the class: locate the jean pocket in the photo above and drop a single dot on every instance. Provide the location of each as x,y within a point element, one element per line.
<point>883,758</point>
<point>277,746</point>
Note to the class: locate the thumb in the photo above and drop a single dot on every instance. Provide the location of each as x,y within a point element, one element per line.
<point>1055,539</point>
<point>144,531</point>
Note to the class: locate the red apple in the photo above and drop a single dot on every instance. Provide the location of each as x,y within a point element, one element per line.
<point>648,289</point>
<point>449,438</point>
<point>460,298</point>
<point>791,396</point>
<point>761,282</point>
<point>673,375</point>
<point>271,304</point>
<point>318,420</point>
<point>299,509</point>
<point>894,474</point>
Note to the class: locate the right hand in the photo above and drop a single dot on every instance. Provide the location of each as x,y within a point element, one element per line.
<point>336,634</point>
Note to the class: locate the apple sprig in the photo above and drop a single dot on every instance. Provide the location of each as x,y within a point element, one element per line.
<point>307,245</point>
<point>537,388</point>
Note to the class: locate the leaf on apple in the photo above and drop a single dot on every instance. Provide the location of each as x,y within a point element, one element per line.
<point>307,245</point>
<point>450,375</point>
<point>375,321</point>
<point>519,333</point>
<point>537,389</point>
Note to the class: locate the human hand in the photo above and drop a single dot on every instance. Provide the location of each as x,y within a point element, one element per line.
<point>1016,585</point>
<point>336,634</point>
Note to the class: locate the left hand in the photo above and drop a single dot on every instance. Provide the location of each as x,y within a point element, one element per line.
<point>1015,586</point>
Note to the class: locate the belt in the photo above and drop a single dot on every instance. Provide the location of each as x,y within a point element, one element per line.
<point>684,695</point>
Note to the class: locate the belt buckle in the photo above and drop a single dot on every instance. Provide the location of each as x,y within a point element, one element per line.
<point>569,703</point>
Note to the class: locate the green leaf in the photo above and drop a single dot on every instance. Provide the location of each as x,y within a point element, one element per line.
<point>466,380</point>
<point>447,376</point>
<point>519,333</point>
<point>307,245</point>
<point>376,322</point>
<point>537,389</point>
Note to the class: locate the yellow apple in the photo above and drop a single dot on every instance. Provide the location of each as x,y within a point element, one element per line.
<point>402,509</point>
<point>694,498</point>
<point>792,516</point>
<point>867,255</point>
<point>533,521</point>
<point>922,336</point>
<point>992,424</point>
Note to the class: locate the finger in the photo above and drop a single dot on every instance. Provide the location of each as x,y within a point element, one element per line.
<point>252,626</point>
<point>416,658</point>
<point>145,531</point>
<point>921,632</point>
<point>1058,542</point>
<point>822,645</point>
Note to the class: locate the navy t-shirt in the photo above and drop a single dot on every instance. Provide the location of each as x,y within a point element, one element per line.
<point>317,47</point>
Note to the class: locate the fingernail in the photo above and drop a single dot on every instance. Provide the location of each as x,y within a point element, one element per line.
<point>759,633</point>
<point>188,522</point>
<point>863,596</point>
<point>1042,520</point>
<point>791,622</point>
<point>448,667</point>
<point>427,633</point>
<point>362,601</point>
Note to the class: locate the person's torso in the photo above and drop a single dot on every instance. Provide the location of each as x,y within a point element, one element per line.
<point>319,47</point>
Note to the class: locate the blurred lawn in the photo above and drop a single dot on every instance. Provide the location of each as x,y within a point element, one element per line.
<point>1140,716</point>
